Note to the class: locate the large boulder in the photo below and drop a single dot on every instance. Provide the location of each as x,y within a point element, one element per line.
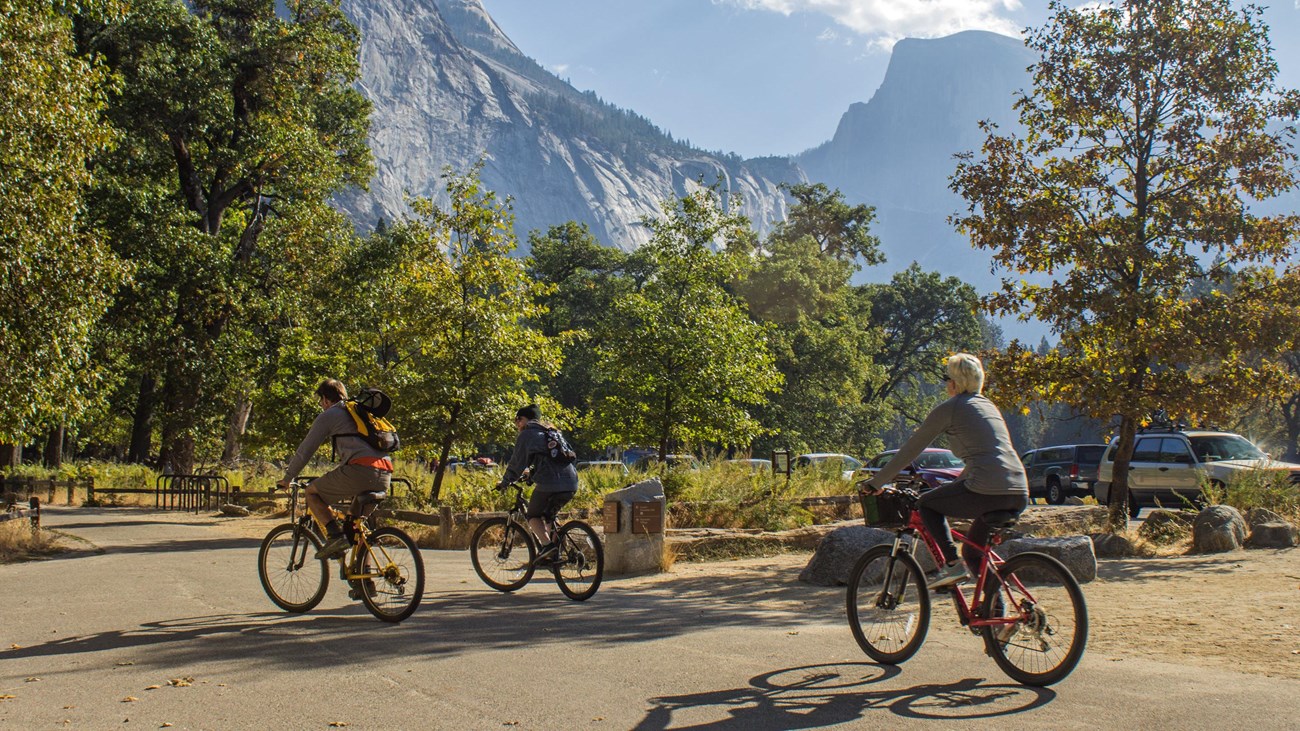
<point>1217,529</point>
<point>1112,545</point>
<point>1076,552</point>
<point>839,551</point>
<point>1276,534</point>
<point>1255,516</point>
<point>1166,526</point>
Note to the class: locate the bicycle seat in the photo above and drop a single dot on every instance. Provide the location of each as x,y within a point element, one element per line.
<point>1001,518</point>
<point>367,499</point>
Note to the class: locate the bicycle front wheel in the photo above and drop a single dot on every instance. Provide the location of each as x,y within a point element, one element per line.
<point>394,571</point>
<point>888,605</point>
<point>580,563</point>
<point>1050,630</point>
<point>294,580</point>
<point>502,553</point>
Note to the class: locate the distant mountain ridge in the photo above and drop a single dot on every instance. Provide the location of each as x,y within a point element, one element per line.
<point>449,88</point>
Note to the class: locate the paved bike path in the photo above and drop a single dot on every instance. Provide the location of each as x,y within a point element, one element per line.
<point>174,602</point>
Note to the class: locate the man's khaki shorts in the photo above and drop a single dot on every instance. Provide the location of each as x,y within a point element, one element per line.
<point>349,480</point>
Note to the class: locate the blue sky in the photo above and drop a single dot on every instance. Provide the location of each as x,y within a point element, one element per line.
<point>761,77</point>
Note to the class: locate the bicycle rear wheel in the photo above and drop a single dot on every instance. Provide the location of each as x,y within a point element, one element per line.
<point>294,580</point>
<point>1051,629</point>
<point>888,605</point>
<point>502,553</point>
<point>580,562</point>
<point>395,590</point>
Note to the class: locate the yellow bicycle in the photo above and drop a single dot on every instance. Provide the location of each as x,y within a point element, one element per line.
<point>382,565</point>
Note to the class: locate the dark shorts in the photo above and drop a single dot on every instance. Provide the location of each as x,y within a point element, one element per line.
<point>547,504</point>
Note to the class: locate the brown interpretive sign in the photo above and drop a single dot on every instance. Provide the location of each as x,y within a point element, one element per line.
<point>611,513</point>
<point>648,517</point>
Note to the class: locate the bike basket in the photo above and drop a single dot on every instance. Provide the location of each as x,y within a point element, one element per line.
<point>885,509</point>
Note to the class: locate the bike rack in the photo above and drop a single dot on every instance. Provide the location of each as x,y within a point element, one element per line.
<point>190,492</point>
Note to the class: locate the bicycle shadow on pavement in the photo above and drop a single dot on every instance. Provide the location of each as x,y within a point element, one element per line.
<point>815,696</point>
<point>1179,567</point>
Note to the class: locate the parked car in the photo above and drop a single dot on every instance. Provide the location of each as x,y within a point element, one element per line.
<point>632,455</point>
<point>1058,472</point>
<point>826,460</point>
<point>1169,466</point>
<point>611,464</point>
<point>755,465</point>
<point>675,461</point>
<point>933,466</point>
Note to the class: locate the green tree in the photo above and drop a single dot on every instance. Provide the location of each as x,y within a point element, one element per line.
<point>239,120</point>
<point>841,231</point>
<point>465,348</point>
<point>57,273</point>
<point>822,343</point>
<point>925,318</point>
<point>680,361</point>
<point>1150,130</point>
<point>586,278</point>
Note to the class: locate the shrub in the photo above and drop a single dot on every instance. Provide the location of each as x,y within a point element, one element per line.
<point>1258,489</point>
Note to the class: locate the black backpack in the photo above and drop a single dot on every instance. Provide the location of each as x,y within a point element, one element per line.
<point>368,409</point>
<point>558,449</point>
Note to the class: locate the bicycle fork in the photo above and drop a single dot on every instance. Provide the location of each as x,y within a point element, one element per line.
<point>895,586</point>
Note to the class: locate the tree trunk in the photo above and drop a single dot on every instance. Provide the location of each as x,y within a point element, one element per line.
<point>1291,415</point>
<point>11,455</point>
<point>235,430</point>
<point>142,421</point>
<point>54,448</point>
<point>1118,517</point>
<point>442,469</point>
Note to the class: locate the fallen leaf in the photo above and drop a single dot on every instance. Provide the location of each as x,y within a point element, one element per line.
<point>793,633</point>
<point>32,680</point>
<point>338,724</point>
<point>598,718</point>
<point>6,697</point>
<point>165,725</point>
<point>68,708</point>
<point>510,723</point>
<point>180,682</point>
<point>130,699</point>
<point>152,687</point>
<point>15,647</point>
<point>122,664</point>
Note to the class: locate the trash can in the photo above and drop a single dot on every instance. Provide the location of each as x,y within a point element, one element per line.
<point>634,528</point>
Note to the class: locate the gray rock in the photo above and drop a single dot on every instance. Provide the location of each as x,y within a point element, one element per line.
<point>1111,545</point>
<point>1277,534</point>
<point>1166,526</point>
<point>1255,516</point>
<point>839,551</point>
<point>635,553</point>
<point>1217,529</point>
<point>1074,500</point>
<point>235,511</point>
<point>1076,552</point>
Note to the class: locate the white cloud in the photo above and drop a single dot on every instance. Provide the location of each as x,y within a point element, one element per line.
<point>885,21</point>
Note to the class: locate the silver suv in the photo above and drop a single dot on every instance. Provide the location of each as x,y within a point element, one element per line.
<point>1169,465</point>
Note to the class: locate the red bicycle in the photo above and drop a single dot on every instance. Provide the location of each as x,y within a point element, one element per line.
<point>1028,608</point>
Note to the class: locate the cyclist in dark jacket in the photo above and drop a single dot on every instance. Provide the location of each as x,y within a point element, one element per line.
<point>553,484</point>
<point>993,479</point>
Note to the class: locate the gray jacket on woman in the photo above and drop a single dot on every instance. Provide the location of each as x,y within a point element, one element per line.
<point>978,435</point>
<point>530,449</point>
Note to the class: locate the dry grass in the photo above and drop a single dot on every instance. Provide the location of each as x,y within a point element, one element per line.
<point>18,542</point>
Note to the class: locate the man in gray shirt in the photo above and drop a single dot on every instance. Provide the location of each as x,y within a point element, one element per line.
<point>994,478</point>
<point>362,468</point>
<point>553,484</point>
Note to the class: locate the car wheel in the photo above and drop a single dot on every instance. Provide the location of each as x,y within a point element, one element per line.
<point>1055,495</point>
<point>1134,507</point>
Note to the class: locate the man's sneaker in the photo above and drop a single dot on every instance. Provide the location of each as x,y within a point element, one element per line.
<point>336,546</point>
<point>545,556</point>
<point>369,585</point>
<point>953,573</point>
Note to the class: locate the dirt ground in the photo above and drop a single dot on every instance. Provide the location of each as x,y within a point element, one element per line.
<point>1238,610</point>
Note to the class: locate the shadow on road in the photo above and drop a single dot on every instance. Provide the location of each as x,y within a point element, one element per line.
<point>816,696</point>
<point>470,620</point>
<point>1148,569</point>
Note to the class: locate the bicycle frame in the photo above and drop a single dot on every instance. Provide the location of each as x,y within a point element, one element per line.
<point>349,562</point>
<point>989,561</point>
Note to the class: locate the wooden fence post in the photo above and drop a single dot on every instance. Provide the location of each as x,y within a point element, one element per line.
<point>90,491</point>
<point>445,526</point>
<point>35,504</point>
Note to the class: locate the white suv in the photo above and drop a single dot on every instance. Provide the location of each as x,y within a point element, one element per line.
<point>1168,466</point>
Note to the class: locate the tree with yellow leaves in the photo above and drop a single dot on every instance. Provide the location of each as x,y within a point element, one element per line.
<point>1152,128</point>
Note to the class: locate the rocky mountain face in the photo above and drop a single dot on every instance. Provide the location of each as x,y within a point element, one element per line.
<point>450,89</point>
<point>895,152</point>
